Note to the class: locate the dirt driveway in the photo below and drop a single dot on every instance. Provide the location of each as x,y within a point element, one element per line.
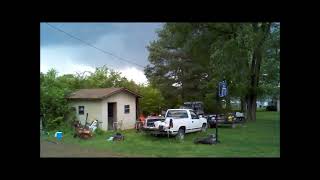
<point>50,149</point>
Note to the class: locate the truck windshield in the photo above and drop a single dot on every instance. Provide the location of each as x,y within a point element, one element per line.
<point>177,114</point>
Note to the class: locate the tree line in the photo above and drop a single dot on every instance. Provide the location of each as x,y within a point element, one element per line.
<point>54,89</point>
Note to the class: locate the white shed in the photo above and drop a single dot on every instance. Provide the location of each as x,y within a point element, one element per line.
<point>111,106</point>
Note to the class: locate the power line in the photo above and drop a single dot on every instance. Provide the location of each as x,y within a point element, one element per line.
<point>106,52</point>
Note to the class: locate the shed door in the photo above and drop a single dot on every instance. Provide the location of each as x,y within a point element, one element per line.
<point>112,115</point>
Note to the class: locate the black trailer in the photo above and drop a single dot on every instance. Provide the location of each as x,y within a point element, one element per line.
<point>224,119</point>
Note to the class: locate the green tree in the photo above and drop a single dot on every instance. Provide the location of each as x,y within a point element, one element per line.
<point>152,100</point>
<point>52,99</point>
<point>196,56</point>
<point>173,69</point>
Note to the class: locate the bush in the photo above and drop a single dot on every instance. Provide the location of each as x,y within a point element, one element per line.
<point>271,108</point>
<point>59,124</point>
<point>261,109</point>
<point>70,117</point>
<point>66,128</point>
<point>54,123</point>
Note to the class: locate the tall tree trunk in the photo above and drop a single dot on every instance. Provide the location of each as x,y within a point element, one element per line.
<point>252,107</point>
<point>255,71</point>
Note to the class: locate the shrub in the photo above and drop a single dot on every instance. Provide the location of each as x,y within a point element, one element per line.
<point>54,123</point>
<point>261,109</point>
<point>271,108</point>
<point>66,128</point>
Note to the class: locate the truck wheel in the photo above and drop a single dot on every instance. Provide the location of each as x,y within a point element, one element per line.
<point>204,128</point>
<point>180,135</point>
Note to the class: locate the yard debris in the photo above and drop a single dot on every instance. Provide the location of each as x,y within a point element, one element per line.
<point>43,132</point>
<point>116,137</point>
<point>82,131</point>
<point>110,138</point>
<point>93,125</point>
<point>211,139</point>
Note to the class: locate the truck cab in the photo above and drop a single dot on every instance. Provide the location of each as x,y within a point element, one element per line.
<point>196,106</point>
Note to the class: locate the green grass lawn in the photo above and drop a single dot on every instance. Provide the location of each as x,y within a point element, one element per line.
<point>253,139</point>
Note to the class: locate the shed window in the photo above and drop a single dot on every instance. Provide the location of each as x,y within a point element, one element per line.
<point>126,109</point>
<point>81,110</point>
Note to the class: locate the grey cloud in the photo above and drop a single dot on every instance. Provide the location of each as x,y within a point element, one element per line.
<point>127,40</point>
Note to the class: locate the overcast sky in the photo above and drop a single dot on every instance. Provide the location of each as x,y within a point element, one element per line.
<point>68,55</point>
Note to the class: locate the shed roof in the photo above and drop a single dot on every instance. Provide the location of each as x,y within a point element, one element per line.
<point>98,93</point>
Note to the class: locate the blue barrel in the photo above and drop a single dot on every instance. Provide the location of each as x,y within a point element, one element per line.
<point>59,135</point>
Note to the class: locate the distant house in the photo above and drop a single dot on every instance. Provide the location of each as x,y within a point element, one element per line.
<point>235,103</point>
<point>107,105</point>
<point>262,104</point>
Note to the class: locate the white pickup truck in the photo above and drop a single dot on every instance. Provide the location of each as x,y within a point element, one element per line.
<point>177,122</point>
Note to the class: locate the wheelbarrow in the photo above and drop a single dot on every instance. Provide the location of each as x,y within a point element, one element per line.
<point>82,132</point>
